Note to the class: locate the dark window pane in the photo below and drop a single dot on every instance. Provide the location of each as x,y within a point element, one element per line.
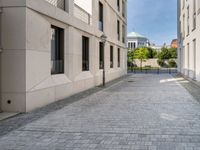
<point>118,57</point>
<point>57,50</point>
<point>85,53</point>
<point>118,30</point>
<point>111,57</point>
<point>100,16</point>
<point>101,57</point>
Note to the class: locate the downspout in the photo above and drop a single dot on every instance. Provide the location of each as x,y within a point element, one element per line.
<point>0,58</point>
<point>0,30</point>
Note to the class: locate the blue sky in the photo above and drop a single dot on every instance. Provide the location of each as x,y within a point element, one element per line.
<point>155,19</point>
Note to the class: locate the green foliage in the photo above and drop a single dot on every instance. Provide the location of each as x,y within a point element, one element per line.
<point>168,53</point>
<point>141,54</point>
<point>173,52</point>
<point>130,56</point>
<point>164,54</point>
<point>172,63</point>
<point>152,53</point>
<point>162,63</point>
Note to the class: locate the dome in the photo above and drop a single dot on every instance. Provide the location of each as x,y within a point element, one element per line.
<point>135,35</point>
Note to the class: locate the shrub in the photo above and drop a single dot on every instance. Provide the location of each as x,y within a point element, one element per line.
<point>172,63</point>
<point>162,63</point>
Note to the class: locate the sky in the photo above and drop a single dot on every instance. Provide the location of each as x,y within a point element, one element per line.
<point>155,19</point>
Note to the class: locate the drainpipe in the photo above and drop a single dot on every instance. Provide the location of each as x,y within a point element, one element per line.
<point>0,62</point>
<point>0,30</point>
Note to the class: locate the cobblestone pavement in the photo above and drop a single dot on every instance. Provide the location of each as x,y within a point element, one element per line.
<point>139,112</point>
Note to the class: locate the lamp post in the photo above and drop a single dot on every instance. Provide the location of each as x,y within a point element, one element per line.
<point>103,40</point>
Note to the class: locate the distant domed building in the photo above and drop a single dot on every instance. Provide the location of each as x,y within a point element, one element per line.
<point>135,40</point>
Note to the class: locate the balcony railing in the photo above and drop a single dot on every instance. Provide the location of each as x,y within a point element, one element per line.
<point>82,14</point>
<point>57,3</point>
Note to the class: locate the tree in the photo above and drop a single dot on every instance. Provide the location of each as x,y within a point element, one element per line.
<point>173,52</point>
<point>130,57</point>
<point>141,54</point>
<point>164,54</point>
<point>152,53</point>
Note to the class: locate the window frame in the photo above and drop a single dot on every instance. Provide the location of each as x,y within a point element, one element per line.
<point>118,57</point>
<point>111,56</point>
<point>57,55</point>
<point>85,53</point>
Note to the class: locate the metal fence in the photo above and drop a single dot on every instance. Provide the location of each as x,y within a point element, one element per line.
<point>153,71</point>
<point>57,3</point>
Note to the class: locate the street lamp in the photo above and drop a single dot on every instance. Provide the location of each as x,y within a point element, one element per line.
<point>103,40</point>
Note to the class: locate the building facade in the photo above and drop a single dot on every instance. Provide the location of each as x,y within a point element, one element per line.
<point>174,43</point>
<point>189,38</point>
<point>52,49</point>
<point>135,40</point>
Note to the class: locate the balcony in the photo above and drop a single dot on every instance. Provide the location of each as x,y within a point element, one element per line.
<point>57,3</point>
<point>82,14</point>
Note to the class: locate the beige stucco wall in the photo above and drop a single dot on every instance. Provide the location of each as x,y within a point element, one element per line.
<point>148,62</point>
<point>26,67</point>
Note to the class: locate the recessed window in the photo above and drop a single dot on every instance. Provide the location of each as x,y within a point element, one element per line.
<point>188,20</point>
<point>111,57</point>
<point>123,33</point>
<point>100,16</point>
<point>118,5</point>
<point>118,30</point>
<point>123,8</point>
<point>194,14</point>
<point>101,55</point>
<point>57,50</point>
<point>85,53</point>
<point>118,57</point>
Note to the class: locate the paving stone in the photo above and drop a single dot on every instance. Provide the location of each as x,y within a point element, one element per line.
<point>155,112</point>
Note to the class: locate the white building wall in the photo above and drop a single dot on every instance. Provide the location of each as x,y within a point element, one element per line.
<point>189,58</point>
<point>26,58</point>
<point>85,4</point>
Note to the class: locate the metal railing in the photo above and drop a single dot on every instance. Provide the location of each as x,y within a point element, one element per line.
<point>152,70</point>
<point>57,3</point>
<point>82,14</point>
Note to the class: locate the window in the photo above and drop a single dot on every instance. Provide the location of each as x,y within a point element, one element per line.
<point>188,59</point>
<point>101,16</point>
<point>194,57</point>
<point>129,45</point>
<point>111,57</point>
<point>85,53</point>
<point>188,19</point>
<point>134,45</point>
<point>101,55</point>
<point>123,34</point>
<point>57,50</point>
<point>183,26</point>
<point>118,5</point>
<point>194,14</point>
<point>118,57</point>
<point>118,30</point>
<point>123,8</point>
